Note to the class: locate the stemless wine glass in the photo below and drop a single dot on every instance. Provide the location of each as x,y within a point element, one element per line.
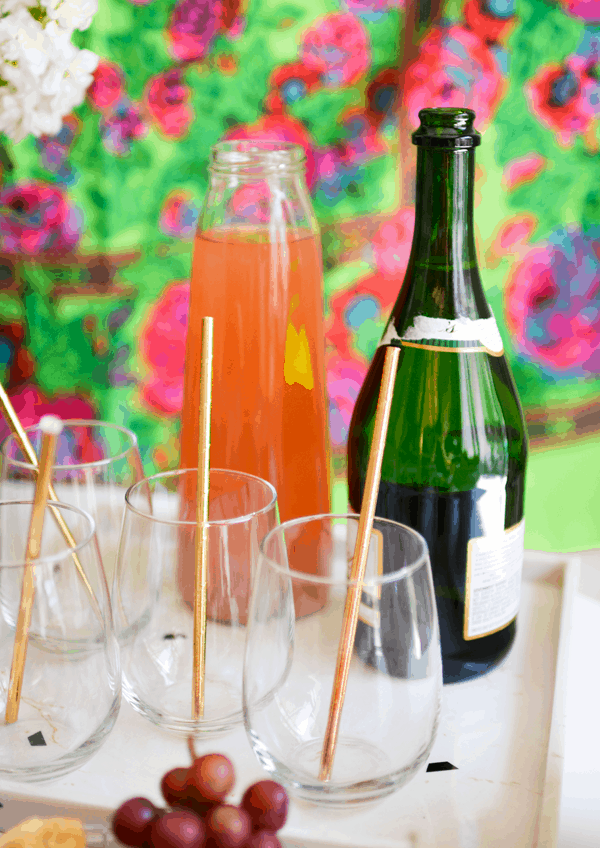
<point>71,686</point>
<point>154,610</point>
<point>392,701</point>
<point>96,462</point>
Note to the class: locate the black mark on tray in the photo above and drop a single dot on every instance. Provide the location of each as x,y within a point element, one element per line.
<point>37,739</point>
<point>446,766</point>
<point>174,636</point>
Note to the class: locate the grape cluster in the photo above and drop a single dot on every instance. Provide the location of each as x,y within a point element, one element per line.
<point>197,815</point>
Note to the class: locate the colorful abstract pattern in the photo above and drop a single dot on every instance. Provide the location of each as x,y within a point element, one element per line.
<point>96,223</point>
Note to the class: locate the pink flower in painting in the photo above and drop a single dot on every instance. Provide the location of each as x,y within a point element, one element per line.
<point>294,81</point>
<point>37,218</point>
<point>585,10</point>
<point>338,167</point>
<point>121,127</point>
<point>179,215</point>
<point>335,172</point>
<point>512,239</point>
<point>279,127</point>
<point>455,67</point>
<point>344,378</point>
<point>162,345</point>
<point>369,298</point>
<point>54,150</point>
<point>252,203</point>
<point>372,10</point>
<point>553,302</point>
<point>565,98</point>
<point>338,48</point>
<point>30,404</point>
<point>361,140</point>
<point>381,95</point>
<point>108,86</point>
<point>167,99</point>
<point>523,170</point>
<point>193,26</point>
<point>490,19</point>
<point>234,22</point>
<point>392,243</point>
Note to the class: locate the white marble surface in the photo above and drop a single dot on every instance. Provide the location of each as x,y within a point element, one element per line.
<point>495,730</point>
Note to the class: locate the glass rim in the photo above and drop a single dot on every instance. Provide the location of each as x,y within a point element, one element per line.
<point>177,522</point>
<point>237,154</point>
<point>62,554</point>
<point>391,577</point>
<point>73,422</point>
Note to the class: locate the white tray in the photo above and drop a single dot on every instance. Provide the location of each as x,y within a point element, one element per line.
<point>504,734</point>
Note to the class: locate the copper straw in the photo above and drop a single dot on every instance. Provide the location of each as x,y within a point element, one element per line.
<point>50,426</point>
<point>359,562</point>
<point>22,439</point>
<point>201,572</point>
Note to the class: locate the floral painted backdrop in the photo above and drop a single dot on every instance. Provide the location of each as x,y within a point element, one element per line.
<point>96,223</point>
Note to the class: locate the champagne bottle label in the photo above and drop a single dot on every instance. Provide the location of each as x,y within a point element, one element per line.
<point>458,335</point>
<point>493,584</point>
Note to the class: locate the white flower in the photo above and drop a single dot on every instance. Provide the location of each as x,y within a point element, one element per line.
<point>7,6</point>
<point>44,76</point>
<point>71,14</point>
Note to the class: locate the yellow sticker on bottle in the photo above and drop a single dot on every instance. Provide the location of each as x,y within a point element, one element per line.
<point>297,367</point>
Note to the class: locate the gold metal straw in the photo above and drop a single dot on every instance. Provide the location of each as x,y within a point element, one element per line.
<point>50,426</point>
<point>201,572</point>
<point>359,562</point>
<point>22,439</point>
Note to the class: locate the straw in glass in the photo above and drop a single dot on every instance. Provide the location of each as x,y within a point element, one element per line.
<point>51,427</point>
<point>201,571</point>
<point>22,439</point>
<point>359,562</point>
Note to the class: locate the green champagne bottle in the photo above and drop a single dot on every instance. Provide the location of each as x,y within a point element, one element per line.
<point>456,449</point>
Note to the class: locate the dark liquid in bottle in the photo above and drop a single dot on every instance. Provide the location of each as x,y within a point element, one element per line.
<point>447,521</point>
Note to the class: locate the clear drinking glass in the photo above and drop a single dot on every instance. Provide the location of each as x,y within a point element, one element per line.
<point>392,702</point>
<point>159,530</point>
<point>96,463</point>
<point>72,682</point>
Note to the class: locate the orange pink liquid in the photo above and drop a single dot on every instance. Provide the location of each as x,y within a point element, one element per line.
<point>269,413</point>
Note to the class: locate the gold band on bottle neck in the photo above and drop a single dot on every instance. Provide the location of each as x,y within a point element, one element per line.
<point>444,349</point>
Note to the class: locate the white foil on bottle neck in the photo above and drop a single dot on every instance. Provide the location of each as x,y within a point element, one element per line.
<point>482,330</point>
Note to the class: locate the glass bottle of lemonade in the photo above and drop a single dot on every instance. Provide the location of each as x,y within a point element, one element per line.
<point>257,271</point>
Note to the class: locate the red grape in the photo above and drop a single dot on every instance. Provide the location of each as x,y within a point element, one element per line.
<point>210,778</point>
<point>267,804</point>
<point>131,822</point>
<point>177,829</point>
<point>173,786</point>
<point>263,839</point>
<point>228,827</point>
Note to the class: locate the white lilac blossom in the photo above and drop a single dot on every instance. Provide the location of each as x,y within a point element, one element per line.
<point>7,6</point>
<point>71,14</point>
<point>43,76</point>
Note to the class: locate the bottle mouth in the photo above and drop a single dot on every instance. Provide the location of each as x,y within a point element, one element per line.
<point>255,156</point>
<point>446,126</point>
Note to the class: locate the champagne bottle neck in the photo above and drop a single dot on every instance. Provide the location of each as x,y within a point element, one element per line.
<point>442,299</point>
<point>444,234</point>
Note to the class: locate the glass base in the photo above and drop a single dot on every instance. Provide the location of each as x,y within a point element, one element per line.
<point>43,762</point>
<point>175,702</point>
<point>365,767</point>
